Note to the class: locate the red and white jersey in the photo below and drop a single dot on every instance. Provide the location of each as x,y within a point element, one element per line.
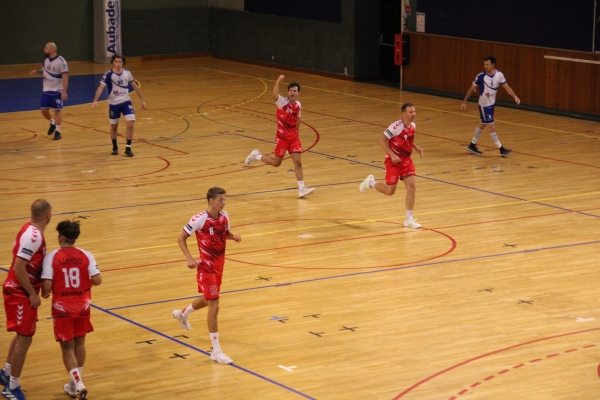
<point>70,269</point>
<point>400,138</point>
<point>211,235</point>
<point>287,118</point>
<point>31,246</point>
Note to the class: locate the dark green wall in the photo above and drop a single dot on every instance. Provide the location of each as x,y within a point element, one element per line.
<point>26,26</point>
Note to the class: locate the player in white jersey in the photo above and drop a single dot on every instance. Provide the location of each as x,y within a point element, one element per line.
<point>117,81</point>
<point>56,82</point>
<point>488,83</point>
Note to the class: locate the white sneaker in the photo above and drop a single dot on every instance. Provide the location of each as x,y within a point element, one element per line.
<point>220,357</point>
<point>252,157</point>
<point>183,321</point>
<point>305,192</point>
<point>70,390</point>
<point>82,394</point>
<point>410,223</point>
<point>366,184</point>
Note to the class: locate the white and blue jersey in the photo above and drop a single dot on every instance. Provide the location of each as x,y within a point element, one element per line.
<point>488,87</point>
<point>52,69</point>
<point>117,86</point>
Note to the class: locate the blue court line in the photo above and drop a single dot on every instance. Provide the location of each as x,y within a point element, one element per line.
<point>107,311</point>
<point>369,272</point>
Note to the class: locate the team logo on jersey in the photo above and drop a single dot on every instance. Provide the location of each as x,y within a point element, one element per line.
<point>405,137</point>
<point>120,82</point>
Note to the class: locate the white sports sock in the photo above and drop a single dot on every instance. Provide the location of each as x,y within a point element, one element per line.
<point>7,369</point>
<point>495,139</point>
<point>187,311</point>
<point>300,185</point>
<point>476,135</point>
<point>214,337</point>
<point>57,128</point>
<point>258,157</point>
<point>14,382</point>
<point>52,121</point>
<point>409,214</point>
<point>75,377</point>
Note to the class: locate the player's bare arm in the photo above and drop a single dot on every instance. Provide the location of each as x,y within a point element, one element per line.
<point>46,288</point>
<point>276,87</point>
<point>182,241</point>
<point>231,236</point>
<point>20,269</point>
<point>65,78</point>
<point>96,280</point>
<point>97,95</point>
<point>36,72</point>
<point>418,149</point>
<point>463,105</point>
<point>512,93</point>
<point>383,142</point>
<point>137,91</point>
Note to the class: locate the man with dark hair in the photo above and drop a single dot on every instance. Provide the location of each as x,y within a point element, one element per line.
<point>212,231</point>
<point>398,141</point>
<point>488,82</point>
<point>21,295</point>
<point>117,80</point>
<point>56,81</point>
<point>289,115</point>
<point>68,274</point>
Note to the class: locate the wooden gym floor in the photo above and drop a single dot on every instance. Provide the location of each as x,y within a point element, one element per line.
<point>327,297</point>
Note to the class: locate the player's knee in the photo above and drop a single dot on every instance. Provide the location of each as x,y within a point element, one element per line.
<point>277,161</point>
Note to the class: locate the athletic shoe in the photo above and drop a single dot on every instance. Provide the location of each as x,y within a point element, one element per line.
<point>504,152</point>
<point>115,151</point>
<point>252,157</point>
<point>4,379</point>
<point>70,390</point>
<point>13,394</point>
<point>366,184</point>
<point>51,129</point>
<point>82,394</point>
<point>128,152</point>
<point>220,357</point>
<point>183,321</point>
<point>57,135</point>
<point>411,223</point>
<point>305,192</point>
<point>472,148</point>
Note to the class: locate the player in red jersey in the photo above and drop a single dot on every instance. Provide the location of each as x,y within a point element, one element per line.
<point>21,294</point>
<point>398,141</point>
<point>212,231</point>
<point>68,274</point>
<point>289,116</point>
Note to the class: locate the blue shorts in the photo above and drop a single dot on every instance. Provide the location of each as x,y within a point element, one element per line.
<point>125,108</point>
<point>486,114</point>
<point>51,100</point>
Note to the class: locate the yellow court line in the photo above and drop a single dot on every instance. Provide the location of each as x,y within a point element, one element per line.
<point>512,203</point>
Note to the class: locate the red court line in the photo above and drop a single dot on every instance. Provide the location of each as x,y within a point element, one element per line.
<point>453,367</point>
<point>120,135</point>
<point>22,140</point>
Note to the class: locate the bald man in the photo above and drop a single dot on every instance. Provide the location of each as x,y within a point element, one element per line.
<point>21,295</point>
<point>56,81</point>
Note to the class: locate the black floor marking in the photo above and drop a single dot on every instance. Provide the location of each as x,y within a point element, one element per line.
<point>312,315</point>
<point>345,328</point>
<point>147,341</point>
<point>486,290</point>
<point>175,355</point>
<point>183,336</point>
<point>263,279</point>
<point>525,302</point>
<point>317,333</point>
<point>509,245</point>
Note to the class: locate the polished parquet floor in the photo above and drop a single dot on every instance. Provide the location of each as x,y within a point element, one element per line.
<point>327,297</point>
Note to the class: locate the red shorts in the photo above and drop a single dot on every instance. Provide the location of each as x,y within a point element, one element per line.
<point>65,329</point>
<point>20,317</point>
<point>209,284</point>
<point>396,171</point>
<point>289,145</point>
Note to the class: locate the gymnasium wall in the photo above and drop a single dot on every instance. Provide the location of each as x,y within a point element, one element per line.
<point>26,26</point>
<point>448,65</point>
